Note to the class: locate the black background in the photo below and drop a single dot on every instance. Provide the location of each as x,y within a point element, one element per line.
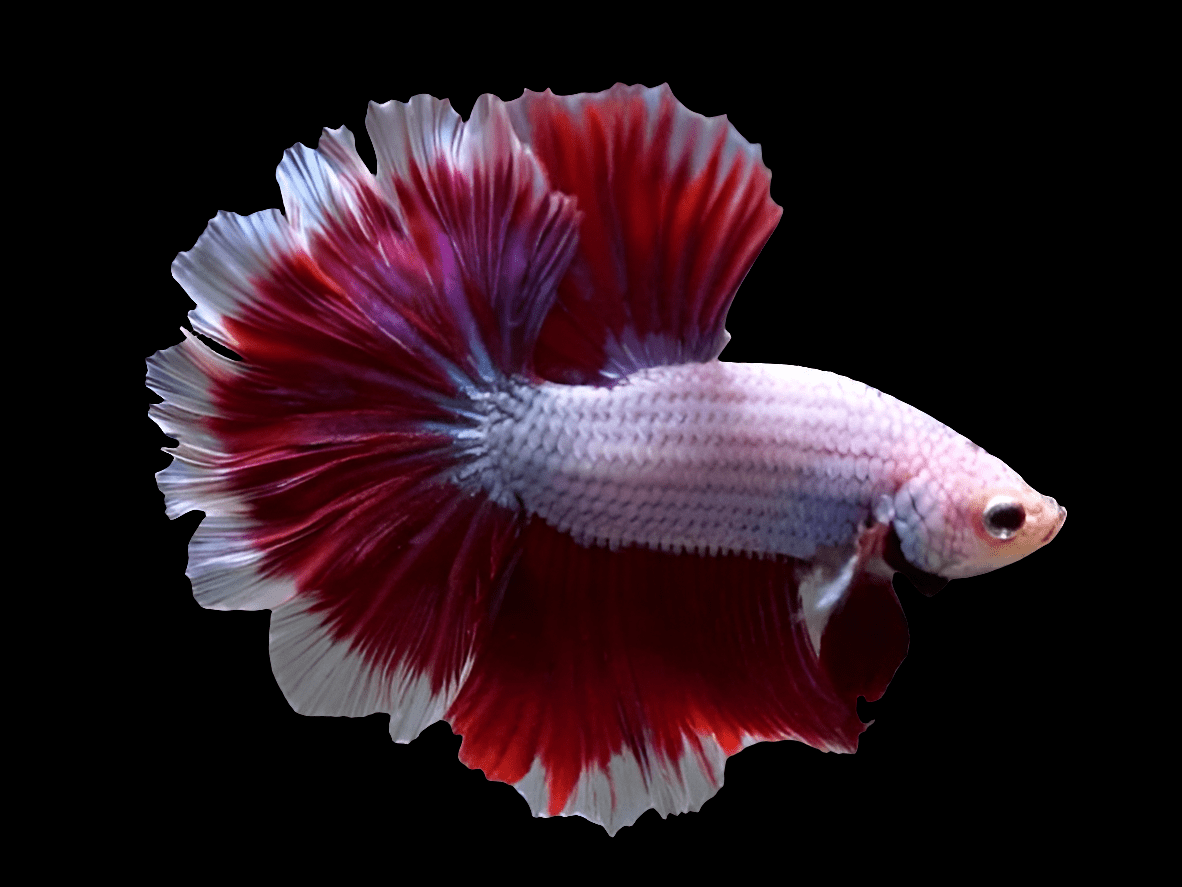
<point>928,202</point>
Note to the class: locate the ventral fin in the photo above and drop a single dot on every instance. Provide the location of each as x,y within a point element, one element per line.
<point>853,616</point>
<point>675,206</point>
<point>866,639</point>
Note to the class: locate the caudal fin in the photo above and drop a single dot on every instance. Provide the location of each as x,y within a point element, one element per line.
<point>368,323</point>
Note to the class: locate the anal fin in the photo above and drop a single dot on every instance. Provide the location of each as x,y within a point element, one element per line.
<point>611,682</point>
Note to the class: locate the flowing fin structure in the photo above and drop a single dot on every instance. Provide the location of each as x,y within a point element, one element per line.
<point>369,322</point>
<point>618,681</point>
<point>676,207</point>
<point>345,466</point>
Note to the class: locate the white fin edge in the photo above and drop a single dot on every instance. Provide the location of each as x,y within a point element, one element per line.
<point>217,272</point>
<point>224,567</point>
<point>621,794</point>
<point>320,675</point>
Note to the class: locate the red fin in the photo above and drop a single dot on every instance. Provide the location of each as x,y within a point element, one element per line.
<point>447,259</point>
<point>676,207</point>
<point>865,640</point>
<point>328,457</point>
<point>602,661</point>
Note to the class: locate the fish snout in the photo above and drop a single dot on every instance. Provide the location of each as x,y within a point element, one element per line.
<point>1060,518</point>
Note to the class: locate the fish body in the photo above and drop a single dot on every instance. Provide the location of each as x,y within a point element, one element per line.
<point>480,458</point>
<point>761,459</point>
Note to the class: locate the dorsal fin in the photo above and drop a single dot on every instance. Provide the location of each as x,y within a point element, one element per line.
<point>675,208</point>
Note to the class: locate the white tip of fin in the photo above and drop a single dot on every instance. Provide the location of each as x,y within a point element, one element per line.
<point>224,567</point>
<point>822,589</point>
<point>217,272</point>
<point>618,796</point>
<point>321,675</point>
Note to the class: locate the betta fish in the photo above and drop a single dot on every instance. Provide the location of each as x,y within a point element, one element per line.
<point>462,426</point>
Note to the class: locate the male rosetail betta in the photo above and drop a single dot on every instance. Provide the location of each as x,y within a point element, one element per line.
<point>480,458</point>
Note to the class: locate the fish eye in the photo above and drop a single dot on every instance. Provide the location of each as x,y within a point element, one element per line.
<point>1004,517</point>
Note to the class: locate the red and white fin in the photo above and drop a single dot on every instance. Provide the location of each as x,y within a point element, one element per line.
<point>615,795</point>
<point>612,682</point>
<point>319,675</point>
<point>854,620</point>
<point>226,569</point>
<point>676,207</point>
<point>327,457</point>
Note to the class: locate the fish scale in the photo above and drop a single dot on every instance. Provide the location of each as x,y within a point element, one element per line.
<point>718,457</point>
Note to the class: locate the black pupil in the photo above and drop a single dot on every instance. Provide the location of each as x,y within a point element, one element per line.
<point>1007,517</point>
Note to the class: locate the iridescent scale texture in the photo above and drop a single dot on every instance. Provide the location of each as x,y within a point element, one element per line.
<point>711,457</point>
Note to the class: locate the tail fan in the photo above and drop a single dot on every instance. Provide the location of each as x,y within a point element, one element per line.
<point>367,322</point>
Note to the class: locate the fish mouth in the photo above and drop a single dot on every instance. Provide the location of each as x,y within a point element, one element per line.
<point>1053,531</point>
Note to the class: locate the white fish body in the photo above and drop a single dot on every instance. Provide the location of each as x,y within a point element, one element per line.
<point>792,457</point>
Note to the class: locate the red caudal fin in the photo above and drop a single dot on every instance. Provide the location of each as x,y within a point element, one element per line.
<point>676,207</point>
<point>617,681</point>
<point>366,321</point>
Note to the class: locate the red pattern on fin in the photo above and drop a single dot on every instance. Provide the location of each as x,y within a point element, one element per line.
<point>358,351</point>
<point>595,651</point>
<point>675,209</point>
<point>866,640</point>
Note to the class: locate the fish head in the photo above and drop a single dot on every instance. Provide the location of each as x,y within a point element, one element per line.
<point>967,512</point>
